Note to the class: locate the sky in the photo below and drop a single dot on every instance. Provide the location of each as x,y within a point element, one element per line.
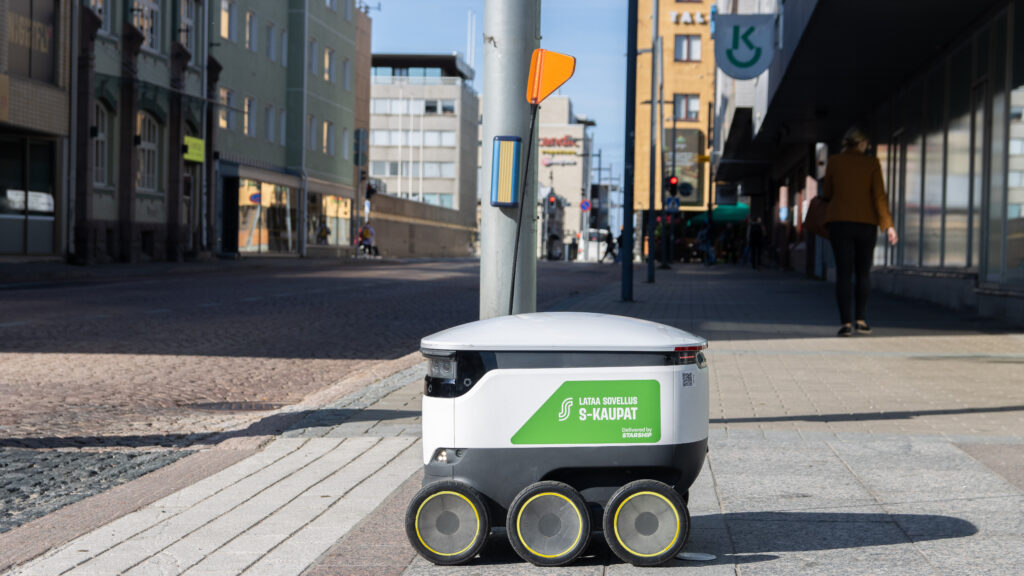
<point>593,31</point>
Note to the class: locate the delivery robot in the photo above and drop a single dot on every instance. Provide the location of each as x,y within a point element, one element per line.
<point>554,424</point>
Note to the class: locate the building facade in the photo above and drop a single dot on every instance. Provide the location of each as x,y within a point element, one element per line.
<point>423,149</point>
<point>564,149</point>
<point>35,103</point>
<point>140,188</point>
<point>686,95</point>
<point>939,90</point>
<point>285,125</point>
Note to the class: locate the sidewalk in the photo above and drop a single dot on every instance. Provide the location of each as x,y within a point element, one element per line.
<point>898,452</point>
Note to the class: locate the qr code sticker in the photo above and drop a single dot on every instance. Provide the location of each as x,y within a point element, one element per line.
<point>686,378</point>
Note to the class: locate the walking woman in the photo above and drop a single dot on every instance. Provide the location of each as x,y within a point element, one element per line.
<point>856,205</point>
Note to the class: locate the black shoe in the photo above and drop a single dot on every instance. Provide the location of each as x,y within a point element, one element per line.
<point>863,328</point>
<point>845,331</point>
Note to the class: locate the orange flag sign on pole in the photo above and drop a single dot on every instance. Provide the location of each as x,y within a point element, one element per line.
<point>548,71</point>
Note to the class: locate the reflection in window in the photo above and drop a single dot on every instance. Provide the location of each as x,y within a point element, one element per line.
<point>266,217</point>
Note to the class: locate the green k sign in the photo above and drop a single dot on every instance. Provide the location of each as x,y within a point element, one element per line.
<point>597,412</point>
<point>744,44</point>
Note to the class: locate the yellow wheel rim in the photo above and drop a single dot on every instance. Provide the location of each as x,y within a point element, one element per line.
<point>416,524</point>
<point>615,524</point>
<point>579,519</point>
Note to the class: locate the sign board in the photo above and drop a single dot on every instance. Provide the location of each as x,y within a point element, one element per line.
<point>31,42</point>
<point>585,206</point>
<point>194,149</point>
<point>744,44</point>
<point>682,160</point>
<point>597,412</point>
<point>672,204</point>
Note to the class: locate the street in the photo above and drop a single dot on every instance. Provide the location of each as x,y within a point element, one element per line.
<point>903,450</point>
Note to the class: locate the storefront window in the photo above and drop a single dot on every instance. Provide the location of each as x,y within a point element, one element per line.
<point>931,236</point>
<point>912,202</point>
<point>27,208</point>
<point>266,218</point>
<point>1014,256</point>
<point>328,220</point>
<point>958,164</point>
<point>997,186</point>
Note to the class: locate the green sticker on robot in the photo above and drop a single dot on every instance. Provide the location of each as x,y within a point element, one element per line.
<point>597,412</point>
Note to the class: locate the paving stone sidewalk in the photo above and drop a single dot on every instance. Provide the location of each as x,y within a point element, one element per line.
<point>896,453</point>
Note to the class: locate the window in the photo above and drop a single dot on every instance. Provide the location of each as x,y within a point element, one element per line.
<point>687,48</point>
<point>312,131</point>
<point>447,106</point>
<point>329,65</point>
<point>228,16</point>
<point>99,146</point>
<point>102,8</point>
<point>226,116</point>
<point>269,120</point>
<point>249,116</point>
<point>687,106</point>
<point>271,42</point>
<point>284,47</point>
<point>346,73</point>
<point>314,56</point>
<point>430,106</point>
<point>379,106</point>
<point>448,138</point>
<point>146,17</point>
<point>284,127</point>
<point>251,31</point>
<point>348,9</point>
<point>332,4</point>
<point>328,138</point>
<point>344,143</point>
<point>187,31</point>
<point>145,172</point>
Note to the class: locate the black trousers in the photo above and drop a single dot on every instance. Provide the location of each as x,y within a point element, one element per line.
<point>853,244</point>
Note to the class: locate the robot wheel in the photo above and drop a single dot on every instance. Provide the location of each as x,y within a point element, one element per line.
<point>447,522</point>
<point>549,524</point>
<point>646,523</point>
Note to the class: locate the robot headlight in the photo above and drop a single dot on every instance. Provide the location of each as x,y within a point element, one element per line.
<point>443,368</point>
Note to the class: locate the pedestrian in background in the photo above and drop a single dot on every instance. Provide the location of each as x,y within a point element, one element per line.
<point>856,205</point>
<point>755,241</point>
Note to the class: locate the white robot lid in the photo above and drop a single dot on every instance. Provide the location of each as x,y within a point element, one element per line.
<point>570,331</point>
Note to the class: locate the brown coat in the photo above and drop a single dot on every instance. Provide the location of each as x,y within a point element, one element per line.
<point>854,190</point>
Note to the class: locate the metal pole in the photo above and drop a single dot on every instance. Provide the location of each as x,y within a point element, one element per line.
<point>626,248</point>
<point>661,133</point>
<point>511,33</point>
<point>655,57</point>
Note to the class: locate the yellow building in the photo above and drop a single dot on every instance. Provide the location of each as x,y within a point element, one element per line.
<point>688,58</point>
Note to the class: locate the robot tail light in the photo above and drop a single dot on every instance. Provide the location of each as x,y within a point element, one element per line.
<point>687,355</point>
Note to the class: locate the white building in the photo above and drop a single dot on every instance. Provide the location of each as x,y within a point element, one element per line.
<point>423,129</point>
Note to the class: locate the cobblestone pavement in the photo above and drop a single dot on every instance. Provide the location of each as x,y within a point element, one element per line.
<point>34,483</point>
<point>127,364</point>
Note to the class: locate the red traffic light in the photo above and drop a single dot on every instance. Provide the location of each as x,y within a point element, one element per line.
<point>551,199</point>
<point>673,180</point>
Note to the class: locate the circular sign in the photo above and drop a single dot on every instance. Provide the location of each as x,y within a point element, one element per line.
<point>254,198</point>
<point>585,206</point>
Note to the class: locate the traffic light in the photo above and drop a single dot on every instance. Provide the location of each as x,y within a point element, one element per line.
<point>552,204</point>
<point>371,189</point>
<point>673,185</point>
